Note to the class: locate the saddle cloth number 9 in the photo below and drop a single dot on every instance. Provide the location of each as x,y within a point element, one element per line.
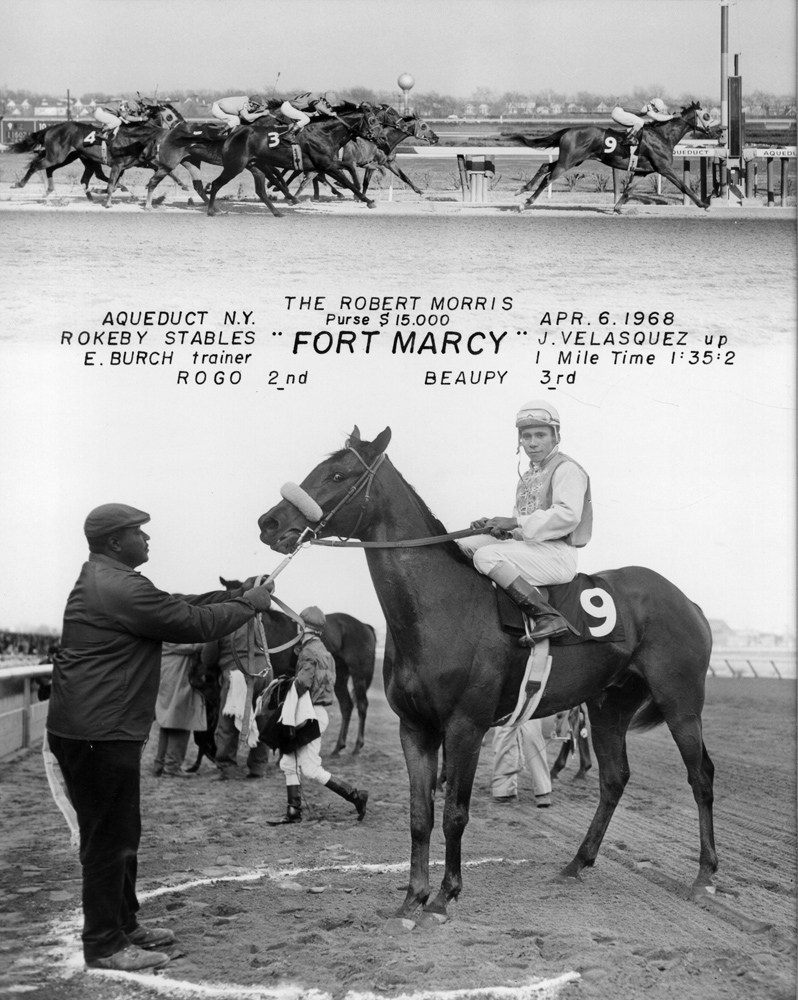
<point>597,603</point>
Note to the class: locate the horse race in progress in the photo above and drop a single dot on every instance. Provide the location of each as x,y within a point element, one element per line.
<point>398,410</point>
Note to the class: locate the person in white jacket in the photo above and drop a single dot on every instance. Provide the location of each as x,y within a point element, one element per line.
<point>552,519</point>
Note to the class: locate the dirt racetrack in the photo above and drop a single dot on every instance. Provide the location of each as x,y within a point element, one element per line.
<point>265,911</point>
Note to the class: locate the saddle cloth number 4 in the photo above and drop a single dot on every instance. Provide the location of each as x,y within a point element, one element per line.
<point>597,603</point>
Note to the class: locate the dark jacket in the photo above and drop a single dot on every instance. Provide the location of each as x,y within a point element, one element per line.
<point>105,677</point>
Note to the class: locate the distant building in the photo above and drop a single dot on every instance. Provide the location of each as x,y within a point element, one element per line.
<point>521,107</point>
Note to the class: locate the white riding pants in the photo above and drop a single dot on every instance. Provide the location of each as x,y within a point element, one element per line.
<point>232,120</point>
<point>539,563</point>
<point>627,119</point>
<point>516,747</point>
<point>291,112</point>
<point>307,759</point>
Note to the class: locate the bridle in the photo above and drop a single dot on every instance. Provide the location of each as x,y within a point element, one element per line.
<point>364,483</point>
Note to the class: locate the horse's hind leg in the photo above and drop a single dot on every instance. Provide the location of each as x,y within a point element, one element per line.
<point>610,716</point>
<point>421,756</point>
<point>546,169</point>
<point>260,189</point>
<point>686,730</point>
<point>345,704</point>
<point>362,702</point>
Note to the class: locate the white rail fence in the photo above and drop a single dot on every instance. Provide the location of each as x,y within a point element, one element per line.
<point>23,716</point>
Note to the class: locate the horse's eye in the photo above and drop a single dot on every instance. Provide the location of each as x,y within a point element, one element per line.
<point>337,477</point>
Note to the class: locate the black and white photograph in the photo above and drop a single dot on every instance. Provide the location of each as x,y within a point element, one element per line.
<point>397,417</point>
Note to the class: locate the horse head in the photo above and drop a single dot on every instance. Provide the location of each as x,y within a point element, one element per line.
<point>702,121</point>
<point>333,499</point>
<point>423,132</point>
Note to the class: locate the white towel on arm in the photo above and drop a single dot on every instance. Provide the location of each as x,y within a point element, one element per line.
<point>297,711</point>
<point>236,703</point>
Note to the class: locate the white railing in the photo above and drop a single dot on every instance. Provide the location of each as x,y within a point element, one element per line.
<point>22,719</point>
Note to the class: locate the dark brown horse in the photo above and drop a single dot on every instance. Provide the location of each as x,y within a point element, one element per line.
<point>451,672</point>
<point>591,142</point>
<point>190,145</point>
<point>353,645</point>
<point>319,142</point>
<point>134,145</point>
<point>362,153</point>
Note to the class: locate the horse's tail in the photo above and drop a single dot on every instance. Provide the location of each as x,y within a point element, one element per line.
<point>542,143</point>
<point>33,140</point>
<point>648,716</point>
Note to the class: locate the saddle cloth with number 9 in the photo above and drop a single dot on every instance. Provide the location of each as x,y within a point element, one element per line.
<point>587,602</point>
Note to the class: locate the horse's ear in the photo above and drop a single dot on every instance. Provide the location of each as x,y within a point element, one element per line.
<point>354,437</point>
<point>224,583</point>
<point>381,442</point>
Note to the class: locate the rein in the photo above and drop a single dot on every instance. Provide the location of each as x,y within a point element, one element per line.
<point>365,481</point>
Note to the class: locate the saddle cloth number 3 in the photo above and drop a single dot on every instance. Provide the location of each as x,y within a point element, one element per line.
<point>599,604</point>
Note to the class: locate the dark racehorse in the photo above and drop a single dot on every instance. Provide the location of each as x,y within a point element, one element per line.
<point>353,645</point>
<point>134,145</point>
<point>191,146</point>
<point>372,157</point>
<point>451,672</point>
<point>591,142</point>
<point>319,142</point>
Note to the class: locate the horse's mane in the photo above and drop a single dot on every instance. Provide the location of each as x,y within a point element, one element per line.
<point>436,526</point>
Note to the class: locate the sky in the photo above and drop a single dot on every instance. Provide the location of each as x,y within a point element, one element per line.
<point>449,46</point>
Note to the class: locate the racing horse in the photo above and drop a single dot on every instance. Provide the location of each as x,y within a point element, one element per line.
<point>591,142</point>
<point>319,142</point>
<point>353,645</point>
<point>134,145</point>
<point>372,157</point>
<point>451,672</point>
<point>190,146</point>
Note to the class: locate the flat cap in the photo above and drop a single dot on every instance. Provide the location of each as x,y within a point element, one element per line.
<point>111,517</point>
<point>313,617</point>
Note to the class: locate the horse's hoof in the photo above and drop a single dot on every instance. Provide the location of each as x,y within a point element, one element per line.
<point>336,752</point>
<point>371,204</point>
<point>700,893</point>
<point>430,920</point>
<point>397,926</point>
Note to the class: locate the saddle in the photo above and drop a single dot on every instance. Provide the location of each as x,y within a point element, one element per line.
<point>274,733</point>
<point>587,602</point>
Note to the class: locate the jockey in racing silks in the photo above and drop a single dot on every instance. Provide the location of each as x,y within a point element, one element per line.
<point>552,518</point>
<point>240,110</point>
<point>315,102</point>
<point>654,111</point>
<point>127,112</point>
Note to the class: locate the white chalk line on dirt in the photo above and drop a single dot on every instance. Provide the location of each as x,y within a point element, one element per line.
<point>67,956</point>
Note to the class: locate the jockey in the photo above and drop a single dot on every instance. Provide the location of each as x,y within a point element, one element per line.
<point>241,110</point>
<point>314,102</point>
<point>552,518</point>
<point>127,112</point>
<point>654,111</point>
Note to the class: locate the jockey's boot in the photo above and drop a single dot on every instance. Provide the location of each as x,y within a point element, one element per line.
<point>292,133</point>
<point>358,799</point>
<point>548,622</point>
<point>631,139</point>
<point>293,813</point>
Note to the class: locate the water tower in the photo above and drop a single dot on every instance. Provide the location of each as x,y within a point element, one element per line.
<point>405,82</point>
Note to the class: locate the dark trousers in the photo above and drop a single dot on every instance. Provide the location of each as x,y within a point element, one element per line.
<point>102,779</point>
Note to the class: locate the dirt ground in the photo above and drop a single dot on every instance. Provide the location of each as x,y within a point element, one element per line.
<point>264,911</point>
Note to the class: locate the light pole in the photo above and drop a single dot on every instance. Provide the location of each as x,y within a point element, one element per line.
<point>405,82</point>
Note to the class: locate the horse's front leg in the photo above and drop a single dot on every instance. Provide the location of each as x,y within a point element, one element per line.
<point>463,742</point>
<point>670,174</point>
<point>421,756</point>
<point>260,189</point>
